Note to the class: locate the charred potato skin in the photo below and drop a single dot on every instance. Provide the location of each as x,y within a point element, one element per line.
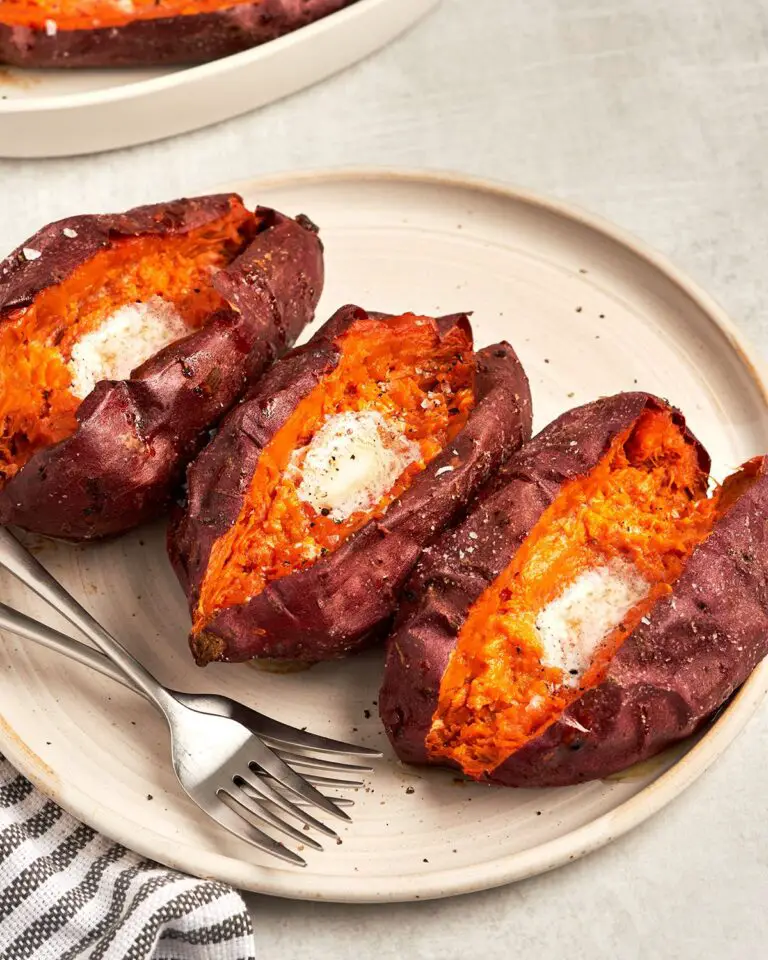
<point>194,38</point>
<point>340,603</point>
<point>696,648</point>
<point>135,437</point>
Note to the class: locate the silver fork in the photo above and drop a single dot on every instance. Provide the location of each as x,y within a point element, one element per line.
<point>280,735</point>
<point>217,760</point>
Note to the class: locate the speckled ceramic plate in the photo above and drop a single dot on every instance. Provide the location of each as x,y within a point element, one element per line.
<point>590,311</point>
<point>57,113</point>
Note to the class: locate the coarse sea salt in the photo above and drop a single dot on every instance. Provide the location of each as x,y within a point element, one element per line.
<point>123,342</point>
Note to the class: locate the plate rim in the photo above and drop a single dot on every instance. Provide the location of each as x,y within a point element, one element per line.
<point>180,75</point>
<point>512,867</point>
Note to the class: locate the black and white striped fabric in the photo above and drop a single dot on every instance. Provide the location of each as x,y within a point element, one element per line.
<point>67,893</point>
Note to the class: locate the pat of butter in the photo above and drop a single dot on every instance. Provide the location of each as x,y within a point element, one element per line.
<point>352,461</point>
<point>572,627</point>
<point>122,342</point>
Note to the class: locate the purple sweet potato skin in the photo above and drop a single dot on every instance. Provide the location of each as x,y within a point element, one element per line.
<point>194,38</point>
<point>670,675</point>
<point>135,437</point>
<point>335,606</point>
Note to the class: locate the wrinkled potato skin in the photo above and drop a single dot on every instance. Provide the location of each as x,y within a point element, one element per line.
<point>698,646</point>
<point>125,462</point>
<point>342,601</point>
<point>194,38</point>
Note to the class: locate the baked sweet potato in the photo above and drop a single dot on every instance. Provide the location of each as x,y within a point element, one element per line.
<point>124,33</point>
<point>124,339</point>
<point>595,606</point>
<point>310,507</point>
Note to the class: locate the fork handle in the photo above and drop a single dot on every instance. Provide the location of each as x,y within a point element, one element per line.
<point>16,559</point>
<point>23,626</point>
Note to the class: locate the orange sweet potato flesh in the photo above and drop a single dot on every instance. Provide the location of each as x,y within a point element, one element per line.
<point>37,408</point>
<point>390,366</point>
<point>645,502</point>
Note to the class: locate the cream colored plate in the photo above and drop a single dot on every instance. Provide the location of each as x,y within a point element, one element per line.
<point>56,113</point>
<point>591,312</point>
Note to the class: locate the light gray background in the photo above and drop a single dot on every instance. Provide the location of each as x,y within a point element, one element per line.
<point>654,114</point>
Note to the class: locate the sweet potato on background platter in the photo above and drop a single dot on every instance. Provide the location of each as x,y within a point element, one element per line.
<point>124,338</point>
<point>595,607</point>
<point>125,33</point>
<point>310,507</point>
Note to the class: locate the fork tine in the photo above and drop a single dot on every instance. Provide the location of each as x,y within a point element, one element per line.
<point>303,761</point>
<point>266,758</point>
<point>255,806</point>
<point>319,781</point>
<point>277,732</point>
<point>264,789</point>
<point>226,817</point>
<point>340,801</point>
<point>292,737</point>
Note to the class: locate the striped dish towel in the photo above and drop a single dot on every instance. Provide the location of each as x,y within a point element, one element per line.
<point>67,893</point>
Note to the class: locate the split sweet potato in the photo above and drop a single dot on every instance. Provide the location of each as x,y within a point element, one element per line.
<point>201,294</point>
<point>310,507</point>
<point>596,606</point>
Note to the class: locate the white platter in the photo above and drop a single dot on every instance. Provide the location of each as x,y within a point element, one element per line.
<point>56,113</point>
<point>590,311</point>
